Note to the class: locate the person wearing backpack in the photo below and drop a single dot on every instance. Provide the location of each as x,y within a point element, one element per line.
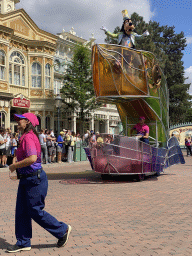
<point>71,145</point>
<point>42,139</point>
<point>67,143</point>
<point>51,140</point>
<point>2,147</point>
<point>188,146</point>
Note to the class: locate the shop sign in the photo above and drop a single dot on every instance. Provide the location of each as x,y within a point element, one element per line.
<point>21,103</point>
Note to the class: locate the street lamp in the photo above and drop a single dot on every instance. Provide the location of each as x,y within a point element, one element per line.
<point>58,103</point>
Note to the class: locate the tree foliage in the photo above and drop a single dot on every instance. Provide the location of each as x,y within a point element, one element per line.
<point>78,92</point>
<point>168,47</point>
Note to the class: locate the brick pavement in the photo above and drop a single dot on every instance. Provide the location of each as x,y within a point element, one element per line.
<point>122,217</point>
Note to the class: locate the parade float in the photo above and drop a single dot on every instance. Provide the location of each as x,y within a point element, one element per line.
<point>133,81</point>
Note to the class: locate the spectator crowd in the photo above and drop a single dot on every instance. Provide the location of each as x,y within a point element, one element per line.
<point>54,148</point>
<point>59,148</point>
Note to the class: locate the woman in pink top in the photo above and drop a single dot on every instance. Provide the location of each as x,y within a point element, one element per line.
<point>142,130</point>
<point>32,189</point>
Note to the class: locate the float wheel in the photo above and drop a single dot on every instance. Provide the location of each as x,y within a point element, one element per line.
<point>105,176</point>
<point>140,177</point>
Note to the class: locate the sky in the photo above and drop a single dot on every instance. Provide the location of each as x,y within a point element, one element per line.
<point>87,17</point>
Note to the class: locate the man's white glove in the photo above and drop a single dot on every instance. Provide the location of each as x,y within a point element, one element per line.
<point>146,33</point>
<point>104,28</point>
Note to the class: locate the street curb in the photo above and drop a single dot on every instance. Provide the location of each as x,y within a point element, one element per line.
<point>6,169</point>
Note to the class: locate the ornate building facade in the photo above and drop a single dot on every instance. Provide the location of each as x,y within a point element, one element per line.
<point>32,64</point>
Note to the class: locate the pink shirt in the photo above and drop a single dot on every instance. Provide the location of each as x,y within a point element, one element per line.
<point>29,145</point>
<point>188,142</point>
<point>141,129</point>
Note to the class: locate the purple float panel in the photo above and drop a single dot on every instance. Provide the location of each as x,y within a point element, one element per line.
<point>147,158</point>
<point>158,159</point>
<point>88,153</point>
<point>122,156</point>
<point>112,165</point>
<point>116,154</point>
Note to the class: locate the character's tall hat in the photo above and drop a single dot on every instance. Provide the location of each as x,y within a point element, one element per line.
<point>125,15</point>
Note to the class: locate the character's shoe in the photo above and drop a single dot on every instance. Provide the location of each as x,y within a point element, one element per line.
<point>16,248</point>
<point>62,241</point>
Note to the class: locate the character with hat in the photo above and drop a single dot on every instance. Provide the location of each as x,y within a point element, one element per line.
<point>126,37</point>
<point>32,189</point>
<point>142,130</point>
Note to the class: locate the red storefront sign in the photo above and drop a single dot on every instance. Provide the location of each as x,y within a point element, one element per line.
<point>21,103</point>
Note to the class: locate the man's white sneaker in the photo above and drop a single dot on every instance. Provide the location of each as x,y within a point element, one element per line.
<point>16,248</point>
<point>62,241</point>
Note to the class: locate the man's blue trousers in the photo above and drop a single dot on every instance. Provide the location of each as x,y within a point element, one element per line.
<point>30,203</point>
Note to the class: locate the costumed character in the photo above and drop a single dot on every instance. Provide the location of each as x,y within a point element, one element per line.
<point>126,37</point>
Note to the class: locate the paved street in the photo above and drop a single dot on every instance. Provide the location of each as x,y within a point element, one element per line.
<point>116,217</point>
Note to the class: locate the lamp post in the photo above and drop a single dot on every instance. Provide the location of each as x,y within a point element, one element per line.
<point>58,102</point>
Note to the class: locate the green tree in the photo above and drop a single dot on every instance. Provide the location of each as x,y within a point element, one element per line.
<point>78,92</point>
<point>168,47</point>
<point>180,105</point>
<point>152,43</point>
<point>180,99</point>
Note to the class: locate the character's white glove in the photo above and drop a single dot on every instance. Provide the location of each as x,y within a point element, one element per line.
<point>104,28</point>
<point>146,33</point>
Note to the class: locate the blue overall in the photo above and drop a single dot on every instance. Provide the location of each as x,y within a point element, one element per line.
<point>30,203</point>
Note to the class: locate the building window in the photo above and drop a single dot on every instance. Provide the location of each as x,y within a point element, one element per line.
<point>38,127</point>
<point>2,65</point>
<point>36,75</point>
<point>47,76</point>
<point>56,65</point>
<point>8,7</point>
<point>17,69</point>
<point>23,75</point>
<point>10,74</point>
<point>61,52</point>
<point>48,122</point>
<point>2,119</point>
<point>57,86</point>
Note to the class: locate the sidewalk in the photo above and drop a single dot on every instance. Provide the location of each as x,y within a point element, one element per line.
<point>116,217</point>
<point>58,167</point>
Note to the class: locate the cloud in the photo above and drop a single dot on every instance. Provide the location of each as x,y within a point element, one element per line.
<point>189,39</point>
<point>188,73</point>
<point>85,16</point>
